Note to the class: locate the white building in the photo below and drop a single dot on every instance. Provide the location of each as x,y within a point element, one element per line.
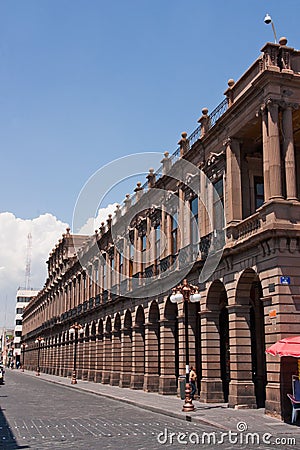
<point>23,298</point>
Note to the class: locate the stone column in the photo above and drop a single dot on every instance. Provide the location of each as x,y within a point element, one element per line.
<point>274,148</point>
<point>98,358</point>
<point>106,357</point>
<point>116,357</point>
<point>211,383</point>
<point>152,356</point>
<point>80,355</point>
<point>86,357</point>
<point>138,357</point>
<point>92,359</point>
<point>126,357</point>
<point>233,182</point>
<point>266,151</point>
<point>289,153</point>
<point>241,387</point>
<point>167,379</point>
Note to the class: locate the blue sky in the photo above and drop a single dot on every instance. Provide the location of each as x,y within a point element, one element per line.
<point>85,82</point>
<point>82,83</point>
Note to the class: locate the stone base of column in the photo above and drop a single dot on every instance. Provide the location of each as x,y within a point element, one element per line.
<point>91,375</point>
<point>84,375</point>
<point>97,377</point>
<point>167,385</point>
<point>151,383</point>
<point>114,379</point>
<point>211,390</point>
<point>65,372</point>
<point>273,400</point>
<point>105,377</point>
<point>137,381</point>
<point>241,395</point>
<point>79,373</point>
<point>125,378</point>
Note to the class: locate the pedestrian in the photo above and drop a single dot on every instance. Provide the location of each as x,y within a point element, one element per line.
<point>193,378</point>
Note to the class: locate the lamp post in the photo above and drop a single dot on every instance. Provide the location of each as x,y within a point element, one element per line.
<point>40,340</point>
<point>23,347</point>
<point>268,20</point>
<point>187,293</point>
<point>74,330</point>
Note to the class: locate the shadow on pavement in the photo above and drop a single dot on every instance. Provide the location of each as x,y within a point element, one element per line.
<point>7,438</point>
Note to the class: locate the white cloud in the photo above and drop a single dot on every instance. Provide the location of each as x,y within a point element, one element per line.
<point>94,223</point>
<point>45,230</point>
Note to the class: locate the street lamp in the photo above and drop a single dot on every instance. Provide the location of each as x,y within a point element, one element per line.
<point>23,347</point>
<point>74,330</point>
<point>268,20</point>
<point>40,340</point>
<point>187,293</point>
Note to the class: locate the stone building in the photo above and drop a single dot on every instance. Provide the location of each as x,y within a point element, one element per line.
<point>247,152</point>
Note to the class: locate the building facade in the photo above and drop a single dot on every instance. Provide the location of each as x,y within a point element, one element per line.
<point>24,296</point>
<point>243,160</point>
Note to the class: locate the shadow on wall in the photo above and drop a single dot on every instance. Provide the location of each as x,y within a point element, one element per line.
<point>288,368</point>
<point>8,439</point>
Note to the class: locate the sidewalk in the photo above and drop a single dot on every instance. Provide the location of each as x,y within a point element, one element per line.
<point>217,415</point>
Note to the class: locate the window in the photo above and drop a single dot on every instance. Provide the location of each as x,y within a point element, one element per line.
<point>157,242</point>
<point>258,191</point>
<point>218,204</point>
<point>144,246</point>
<point>112,269</point>
<point>194,222</point>
<point>174,234</point>
<point>104,274</point>
<point>18,333</point>
<point>18,322</point>
<point>121,260</point>
<point>19,310</point>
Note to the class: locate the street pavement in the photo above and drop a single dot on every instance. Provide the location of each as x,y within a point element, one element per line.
<point>48,412</point>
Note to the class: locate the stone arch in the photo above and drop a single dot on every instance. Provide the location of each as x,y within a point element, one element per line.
<point>126,350</point>
<point>169,343</point>
<point>215,345</point>
<point>152,349</point>
<point>107,349</point>
<point>248,385</point>
<point>138,350</point>
<point>116,351</point>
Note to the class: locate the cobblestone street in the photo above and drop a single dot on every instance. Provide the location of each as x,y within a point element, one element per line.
<point>38,414</point>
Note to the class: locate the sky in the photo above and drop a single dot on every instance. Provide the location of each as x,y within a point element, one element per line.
<point>85,83</point>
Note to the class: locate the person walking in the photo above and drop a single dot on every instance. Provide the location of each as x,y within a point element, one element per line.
<point>193,378</point>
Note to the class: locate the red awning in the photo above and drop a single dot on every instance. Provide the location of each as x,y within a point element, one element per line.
<point>286,347</point>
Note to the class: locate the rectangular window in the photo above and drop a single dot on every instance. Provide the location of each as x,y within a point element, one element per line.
<point>104,274</point>
<point>218,204</point>
<point>174,233</point>
<point>258,191</point>
<point>112,271</point>
<point>121,260</point>
<point>194,221</point>
<point>157,242</point>
<point>19,310</point>
<point>144,246</point>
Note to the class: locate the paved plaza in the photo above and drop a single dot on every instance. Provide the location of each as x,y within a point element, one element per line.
<point>48,412</point>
